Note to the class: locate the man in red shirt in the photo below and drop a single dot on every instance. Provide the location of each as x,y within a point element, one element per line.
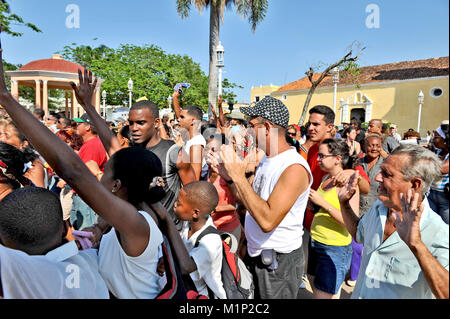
<point>92,149</point>
<point>321,123</point>
<point>81,215</point>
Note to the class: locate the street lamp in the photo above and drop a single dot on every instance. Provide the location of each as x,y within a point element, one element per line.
<point>220,51</point>
<point>335,73</point>
<point>104,103</point>
<point>421,99</point>
<point>130,90</point>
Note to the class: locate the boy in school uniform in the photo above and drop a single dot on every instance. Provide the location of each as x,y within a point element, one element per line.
<point>36,261</point>
<point>196,201</point>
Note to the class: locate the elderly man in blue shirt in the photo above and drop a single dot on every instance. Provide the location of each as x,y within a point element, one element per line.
<point>406,244</point>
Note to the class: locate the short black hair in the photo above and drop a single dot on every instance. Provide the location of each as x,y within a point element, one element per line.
<point>146,104</point>
<point>66,121</point>
<point>339,147</point>
<point>326,111</point>
<point>194,111</point>
<point>32,219</point>
<point>39,112</point>
<point>202,195</point>
<point>136,167</point>
<point>347,131</point>
<point>15,160</point>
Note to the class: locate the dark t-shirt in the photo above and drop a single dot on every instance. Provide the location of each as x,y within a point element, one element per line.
<point>167,152</point>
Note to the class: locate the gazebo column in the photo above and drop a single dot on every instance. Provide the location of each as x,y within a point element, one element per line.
<point>67,103</point>
<point>75,113</point>
<point>15,89</point>
<point>45,97</point>
<point>97,100</point>
<point>38,94</point>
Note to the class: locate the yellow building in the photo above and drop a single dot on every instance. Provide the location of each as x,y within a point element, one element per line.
<point>388,92</point>
<point>260,92</point>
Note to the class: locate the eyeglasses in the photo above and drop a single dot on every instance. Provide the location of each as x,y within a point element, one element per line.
<point>321,156</point>
<point>292,133</point>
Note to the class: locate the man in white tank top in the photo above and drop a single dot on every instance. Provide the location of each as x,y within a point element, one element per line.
<point>275,202</point>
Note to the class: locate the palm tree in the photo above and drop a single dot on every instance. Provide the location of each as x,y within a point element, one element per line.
<point>254,10</point>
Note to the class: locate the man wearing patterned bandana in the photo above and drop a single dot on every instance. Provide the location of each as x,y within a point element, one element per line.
<point>275,201</point>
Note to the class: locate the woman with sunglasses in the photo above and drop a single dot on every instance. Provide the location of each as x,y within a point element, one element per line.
<point>330,249</point>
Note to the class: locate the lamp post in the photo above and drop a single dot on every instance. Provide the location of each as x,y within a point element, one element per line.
<point>335,73</point>
<point>130,90</point>
<point>421,99</point>
<point>220,51</point>
<point>104,103</point>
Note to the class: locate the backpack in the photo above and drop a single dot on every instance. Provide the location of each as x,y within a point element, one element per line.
<point>236,278</point>
<point>178,286</point>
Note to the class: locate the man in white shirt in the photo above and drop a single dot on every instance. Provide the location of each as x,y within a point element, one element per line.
<point>275,202</point>
<point>190,118</point>
<point>35,259</point>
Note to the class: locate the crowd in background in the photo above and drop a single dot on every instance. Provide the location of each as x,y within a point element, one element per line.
<point>315,203</point>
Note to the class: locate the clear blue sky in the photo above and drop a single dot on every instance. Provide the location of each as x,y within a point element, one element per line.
<point>295,34</point>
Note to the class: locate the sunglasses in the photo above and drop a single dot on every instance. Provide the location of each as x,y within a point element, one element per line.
<point>320,155</point>
<point>292,134</point>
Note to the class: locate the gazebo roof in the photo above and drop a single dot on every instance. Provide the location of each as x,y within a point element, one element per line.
<point>55,64</point>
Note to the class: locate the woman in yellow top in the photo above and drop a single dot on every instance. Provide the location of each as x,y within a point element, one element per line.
<point>330,249</point>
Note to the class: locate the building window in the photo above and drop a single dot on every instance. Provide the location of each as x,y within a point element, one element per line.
<point>436,92</point>
<point>256,99</point>
<point>284,97</point>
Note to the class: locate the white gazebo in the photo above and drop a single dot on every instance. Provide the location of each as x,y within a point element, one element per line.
<point>54,73</point>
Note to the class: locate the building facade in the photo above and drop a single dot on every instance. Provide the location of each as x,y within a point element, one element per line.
<point>388,92</point>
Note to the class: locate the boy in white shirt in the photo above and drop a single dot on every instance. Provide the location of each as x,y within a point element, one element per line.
<point>196,201</point>
<point>36,262</point>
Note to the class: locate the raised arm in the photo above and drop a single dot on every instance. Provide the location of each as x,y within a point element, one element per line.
<point>117,212</point>
<point>222,117</point>
<point>84,92</point>
<point>187,265</point>
<point>346,194</point>
<point>176,104</point>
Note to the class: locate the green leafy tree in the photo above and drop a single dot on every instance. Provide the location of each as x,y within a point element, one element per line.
<point>153,71</point>
<point>8,19</point>
<point>253,10</point>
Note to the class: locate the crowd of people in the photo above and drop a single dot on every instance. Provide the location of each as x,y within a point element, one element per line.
<point>314,203</point>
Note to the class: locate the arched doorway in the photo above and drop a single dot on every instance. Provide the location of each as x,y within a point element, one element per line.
<point>361,108</point>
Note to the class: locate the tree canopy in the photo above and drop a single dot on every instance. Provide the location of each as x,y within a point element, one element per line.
<point>153,71</point>
<point>8,19</point>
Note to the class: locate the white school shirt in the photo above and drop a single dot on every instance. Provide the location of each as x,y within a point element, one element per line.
<point>64,273</point>
<point>131,277</point>
<point>208,258</point>
<point>196,140</point>
<point>287,236</point>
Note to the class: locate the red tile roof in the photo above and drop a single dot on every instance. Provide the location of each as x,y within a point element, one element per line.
<point>54,64</point>
<point>380,73</point>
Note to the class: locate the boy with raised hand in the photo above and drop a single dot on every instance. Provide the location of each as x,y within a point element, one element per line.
<point>196,202</point>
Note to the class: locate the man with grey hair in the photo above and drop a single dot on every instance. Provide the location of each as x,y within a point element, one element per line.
<point>405,243</point>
